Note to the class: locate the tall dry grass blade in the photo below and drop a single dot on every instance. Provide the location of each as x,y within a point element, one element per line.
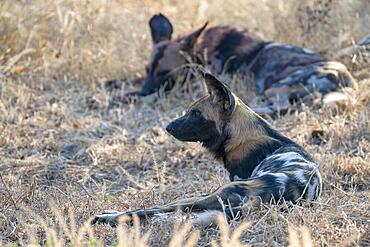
<point>179,235</point>
<point>299,237</point>
<point>131,236</point>
<point>230,238</point>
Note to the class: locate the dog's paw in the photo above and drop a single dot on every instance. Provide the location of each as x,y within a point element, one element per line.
<point>108,217</point>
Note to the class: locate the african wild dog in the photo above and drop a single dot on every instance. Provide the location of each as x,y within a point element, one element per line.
<point>261,161</point>
<point>282,73</point>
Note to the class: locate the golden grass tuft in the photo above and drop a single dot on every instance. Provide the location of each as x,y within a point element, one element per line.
<point>59,143</point>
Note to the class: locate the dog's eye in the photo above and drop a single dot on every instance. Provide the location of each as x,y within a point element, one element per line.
<point>196,113</point>
<point>147,69</point>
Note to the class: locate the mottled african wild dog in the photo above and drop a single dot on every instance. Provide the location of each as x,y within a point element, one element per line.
<point>261,161</point>
<point>283,73</point>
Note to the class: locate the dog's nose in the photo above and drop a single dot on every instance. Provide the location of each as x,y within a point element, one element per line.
<point>169,128</point>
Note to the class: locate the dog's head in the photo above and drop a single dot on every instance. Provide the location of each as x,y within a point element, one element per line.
<point>206,119</point>
<point>167,54</point>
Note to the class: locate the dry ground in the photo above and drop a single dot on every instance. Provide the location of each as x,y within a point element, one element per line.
<point>65,157</point>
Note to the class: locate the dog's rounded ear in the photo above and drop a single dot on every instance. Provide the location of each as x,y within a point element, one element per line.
<point>220,93</point>
<point>160,28</point>
<point>188,42</point>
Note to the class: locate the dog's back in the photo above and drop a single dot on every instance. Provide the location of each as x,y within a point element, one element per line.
<point>283,73</point>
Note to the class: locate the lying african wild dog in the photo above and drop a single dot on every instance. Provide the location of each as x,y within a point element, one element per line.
<point>282,73</point>
<point>261,161</point>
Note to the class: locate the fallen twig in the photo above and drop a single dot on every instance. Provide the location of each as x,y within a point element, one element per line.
<point>8,191</point>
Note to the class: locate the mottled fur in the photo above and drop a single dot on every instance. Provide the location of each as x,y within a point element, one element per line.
<point>262,162</point>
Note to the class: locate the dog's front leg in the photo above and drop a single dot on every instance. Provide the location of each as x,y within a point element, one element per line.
<point>230,195</point>
<point>112,217</point>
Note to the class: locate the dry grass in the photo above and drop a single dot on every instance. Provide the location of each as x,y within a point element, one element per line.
<point>65,157</point>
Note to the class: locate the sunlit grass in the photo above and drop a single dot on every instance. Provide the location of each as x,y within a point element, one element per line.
<point>59,143</point>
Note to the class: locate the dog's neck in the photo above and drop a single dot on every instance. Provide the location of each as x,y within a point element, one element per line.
<point>250,140</point>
